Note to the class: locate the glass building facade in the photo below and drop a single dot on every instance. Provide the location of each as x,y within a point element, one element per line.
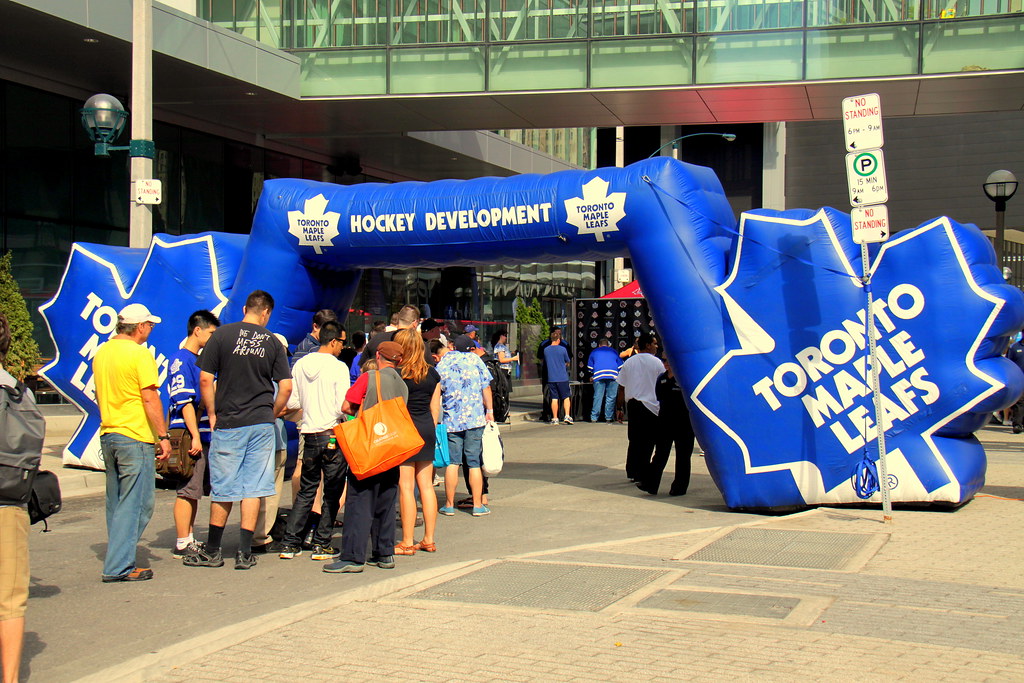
<point>396,47</point>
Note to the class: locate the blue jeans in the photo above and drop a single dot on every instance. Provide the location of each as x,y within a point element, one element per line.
<point>466,447</point>
<point>131,477</point>
<point>604,390</point>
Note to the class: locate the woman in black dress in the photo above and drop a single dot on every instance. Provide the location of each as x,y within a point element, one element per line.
<point>425,409</point>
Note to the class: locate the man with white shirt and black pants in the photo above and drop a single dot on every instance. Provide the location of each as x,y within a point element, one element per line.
<point>320,381</point>
<point>637,379</point>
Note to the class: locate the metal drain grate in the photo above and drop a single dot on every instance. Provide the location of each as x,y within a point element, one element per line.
<point>779,548</point>
<point>541,584</point>
<point>738,604</point>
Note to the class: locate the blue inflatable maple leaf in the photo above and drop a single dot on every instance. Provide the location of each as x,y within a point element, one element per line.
<point>175,277</point>
<point>942,314</point>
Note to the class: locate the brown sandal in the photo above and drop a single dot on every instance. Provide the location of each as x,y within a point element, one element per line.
<point>426,547</point>
<point>405,549</point>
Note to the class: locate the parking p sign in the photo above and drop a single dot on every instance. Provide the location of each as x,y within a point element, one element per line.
<point>865,175</point>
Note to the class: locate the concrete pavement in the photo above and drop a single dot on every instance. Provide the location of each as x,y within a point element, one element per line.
<point>577,575</point>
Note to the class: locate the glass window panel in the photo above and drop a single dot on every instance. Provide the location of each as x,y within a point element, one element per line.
<point>537,19</point>
<point>348,72</point>
<point>715,16</point>
<point>957,9</point>
<point>974,46</point>
<point>202,179</point>
<point>437,21</point>
<point>101,184</point>
<point>167,168</point>
<point>40,252</point>
<point>844,12</point>
<point>38,163</point>
<point>851,53</point>
<point>538,67</point>
<point>319,23</point>
<point>631,18</point>
<point>746,58</point>
<point>444,69</point>
<point>638,62</point>
<point>282,165</point>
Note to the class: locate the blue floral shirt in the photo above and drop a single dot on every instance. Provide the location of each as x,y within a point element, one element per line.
<point>463,379</point>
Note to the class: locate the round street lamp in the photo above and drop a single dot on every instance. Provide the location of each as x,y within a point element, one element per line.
<point>999,187</point>
<point>728,137</point>
<point>103,118</point>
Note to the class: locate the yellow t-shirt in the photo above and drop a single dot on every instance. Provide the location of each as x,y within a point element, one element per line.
<point>121,370</point>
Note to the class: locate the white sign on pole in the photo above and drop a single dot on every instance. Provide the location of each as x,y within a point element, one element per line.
<point>865,175</point>
<point>870,224</point>
<point>147,191</point>
<point>862,122</point>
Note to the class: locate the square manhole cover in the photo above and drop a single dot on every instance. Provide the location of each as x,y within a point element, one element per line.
<point>782,548</point>
<point>737,604</point>
<point>543,584</point>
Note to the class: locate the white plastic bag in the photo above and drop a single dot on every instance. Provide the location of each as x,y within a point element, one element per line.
<point>493,456</point>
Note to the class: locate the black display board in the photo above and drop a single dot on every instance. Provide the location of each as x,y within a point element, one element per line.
<point>618,320</point>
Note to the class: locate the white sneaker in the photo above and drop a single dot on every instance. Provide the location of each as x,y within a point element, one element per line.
<point>567,421</point>
<point>554,421</point>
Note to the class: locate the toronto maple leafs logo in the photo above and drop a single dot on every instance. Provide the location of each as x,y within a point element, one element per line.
<point>805,368</point>
<point>313,226</point>
<point>173,278</point>
<point>597,212</point>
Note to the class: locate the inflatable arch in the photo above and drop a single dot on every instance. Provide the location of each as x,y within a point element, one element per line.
<point>763,321</point>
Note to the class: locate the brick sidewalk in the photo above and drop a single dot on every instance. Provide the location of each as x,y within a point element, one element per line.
<point>827,593</point>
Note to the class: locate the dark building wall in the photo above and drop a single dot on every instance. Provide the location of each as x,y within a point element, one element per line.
<point>934,166</point>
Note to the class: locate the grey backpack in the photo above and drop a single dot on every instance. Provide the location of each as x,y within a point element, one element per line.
<point>22,428</point>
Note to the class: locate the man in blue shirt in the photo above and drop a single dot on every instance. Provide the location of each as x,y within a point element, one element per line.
<point>604,364</point>
<point>312,341</point>
<point>187,412</point>
<point>556,365</point>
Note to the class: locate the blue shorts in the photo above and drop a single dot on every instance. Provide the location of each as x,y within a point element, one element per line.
<point>241,463</point>
<point>559,390</point>
<point>467,445</point>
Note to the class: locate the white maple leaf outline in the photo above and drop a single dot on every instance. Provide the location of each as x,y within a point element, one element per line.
<point>755,340</point>
<point>313,208</point>
<point>596,192</point>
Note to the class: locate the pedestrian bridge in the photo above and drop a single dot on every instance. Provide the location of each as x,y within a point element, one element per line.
<point>463,64</point>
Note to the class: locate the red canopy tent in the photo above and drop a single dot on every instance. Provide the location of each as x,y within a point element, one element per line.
<point>630,291</point>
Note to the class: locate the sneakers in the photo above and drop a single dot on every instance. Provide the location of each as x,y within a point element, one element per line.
<point>201,557</point>
<point>554,421</point>
<point>134,575</point>
<point>343,567</point>
<point>180,553</point>
<point>567,420</point>
<point>383,561</point>
<point>289,551</point>
<point>481,511</point>
<point>324,552</point>
<point>244,560</point>
<point>447,510</point>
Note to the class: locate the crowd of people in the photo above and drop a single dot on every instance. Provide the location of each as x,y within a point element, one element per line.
<point>232,386</point>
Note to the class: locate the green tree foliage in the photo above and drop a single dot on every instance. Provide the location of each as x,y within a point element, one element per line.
<point>532,315</point>
<point>24,354</point>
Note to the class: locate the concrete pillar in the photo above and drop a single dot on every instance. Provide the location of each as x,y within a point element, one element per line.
<point>773,181</point>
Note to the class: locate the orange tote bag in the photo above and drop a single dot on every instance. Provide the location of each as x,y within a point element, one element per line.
<point>381,437</point>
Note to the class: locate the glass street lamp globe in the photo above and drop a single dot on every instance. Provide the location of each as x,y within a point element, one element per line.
<point>103,118</point>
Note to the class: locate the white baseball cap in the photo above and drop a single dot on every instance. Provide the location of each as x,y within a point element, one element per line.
<point>133,314</point>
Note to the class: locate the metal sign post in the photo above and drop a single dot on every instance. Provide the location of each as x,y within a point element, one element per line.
<point>865,175</point>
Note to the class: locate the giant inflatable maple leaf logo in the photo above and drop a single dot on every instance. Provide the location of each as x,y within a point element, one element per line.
<point>176,276</point>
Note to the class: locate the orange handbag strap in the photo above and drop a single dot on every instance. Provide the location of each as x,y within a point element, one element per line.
<point>379,399</point>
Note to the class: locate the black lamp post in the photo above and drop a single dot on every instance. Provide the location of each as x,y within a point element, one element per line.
<point>999,187</point>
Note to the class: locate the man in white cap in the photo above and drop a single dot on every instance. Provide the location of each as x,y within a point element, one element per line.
<point>131,413</point>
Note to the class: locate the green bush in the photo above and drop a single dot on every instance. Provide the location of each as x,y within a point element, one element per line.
<point>24,354</point>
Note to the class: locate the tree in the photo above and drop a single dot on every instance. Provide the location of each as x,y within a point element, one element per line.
<point>24,354</point>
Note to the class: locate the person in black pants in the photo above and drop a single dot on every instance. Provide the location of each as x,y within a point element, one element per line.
<point>637,378</point>
<point>673,428</point>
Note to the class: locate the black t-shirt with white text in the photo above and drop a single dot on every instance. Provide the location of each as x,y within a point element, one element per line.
<point>247,360</point>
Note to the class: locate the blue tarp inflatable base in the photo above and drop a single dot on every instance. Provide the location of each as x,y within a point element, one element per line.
<point>763,320</point>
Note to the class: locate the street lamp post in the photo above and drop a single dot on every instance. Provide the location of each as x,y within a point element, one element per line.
<point>104,117</point>
<point>999,187</point>
<point>728,137</point>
